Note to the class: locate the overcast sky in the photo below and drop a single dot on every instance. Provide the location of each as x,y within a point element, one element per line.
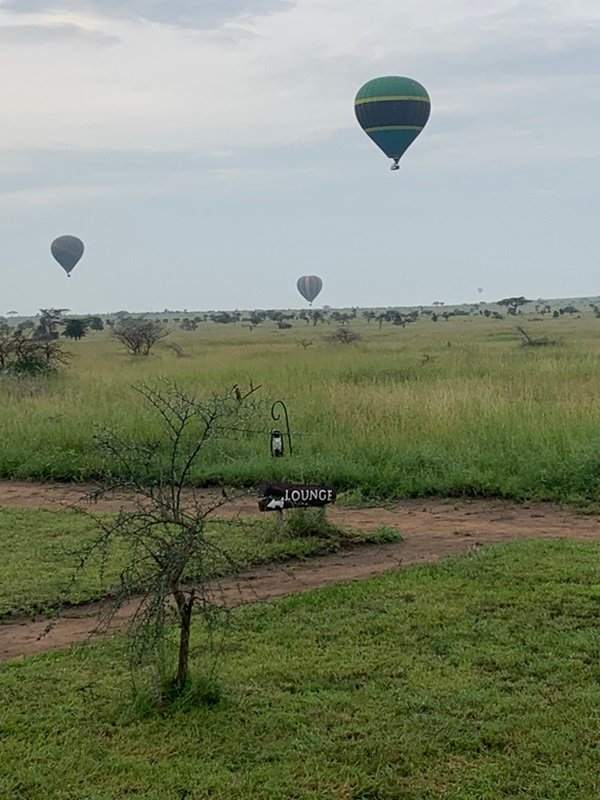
<point>207,152</point>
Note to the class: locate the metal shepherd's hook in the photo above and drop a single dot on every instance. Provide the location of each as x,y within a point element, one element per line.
<point>277,416</point>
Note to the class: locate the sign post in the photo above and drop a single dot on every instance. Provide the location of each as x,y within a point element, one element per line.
<point>279,496</point>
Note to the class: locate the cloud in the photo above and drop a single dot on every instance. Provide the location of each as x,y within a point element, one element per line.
<point>505,78</point>
<point>159,173</point>
<point>182,13</point>
<point>44,34</point>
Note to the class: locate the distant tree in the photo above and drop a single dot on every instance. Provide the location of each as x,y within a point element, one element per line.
<point>49,322</point>
<point>138,334</point>
<point>26,325</point>
<point>341,317</point>
<point>6,344</point>
<point>344,335</point>
<point>256,317</point>
<point>397,318</point>
<point>75,328</point>
<point>95,323</point>
<point>188,324</point>
<point>23,351</point>
<point>225,317</point>
<point>513,304</point>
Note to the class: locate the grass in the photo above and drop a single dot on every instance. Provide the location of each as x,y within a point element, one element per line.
<point>474,679</point>
<point>481,415</point>
<point>40,555</point>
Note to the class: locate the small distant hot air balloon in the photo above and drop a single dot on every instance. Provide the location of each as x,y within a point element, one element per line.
<point>67,250</point>
<point>392,111</point>
<point>309,286</point>
<point>480,290</point>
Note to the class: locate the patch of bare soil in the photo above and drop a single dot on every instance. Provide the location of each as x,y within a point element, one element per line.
<point>433,529</point>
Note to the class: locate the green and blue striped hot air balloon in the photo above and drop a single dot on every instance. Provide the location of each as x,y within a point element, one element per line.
<point>392,111</point>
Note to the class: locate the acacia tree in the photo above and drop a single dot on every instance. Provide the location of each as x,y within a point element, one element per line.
<point>22,351</point>
<point>49,321</point>
<point>170,562</point>
<point>139,335</point>
<point>513,304</point>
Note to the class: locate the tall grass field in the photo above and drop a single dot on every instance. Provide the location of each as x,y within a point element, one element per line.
<point>457,407</point>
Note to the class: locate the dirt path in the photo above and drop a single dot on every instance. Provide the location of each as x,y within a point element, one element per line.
<point>433,529</point>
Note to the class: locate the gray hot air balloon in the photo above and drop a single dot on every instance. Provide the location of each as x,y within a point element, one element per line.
<point>67,250</point>
<point>309,286</point>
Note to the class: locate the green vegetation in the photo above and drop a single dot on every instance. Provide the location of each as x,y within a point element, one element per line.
<point>475,679</point>
<point>40,553</point>
<point>455,407</point>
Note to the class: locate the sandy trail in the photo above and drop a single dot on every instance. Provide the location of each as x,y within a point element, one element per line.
<point>433,529</point>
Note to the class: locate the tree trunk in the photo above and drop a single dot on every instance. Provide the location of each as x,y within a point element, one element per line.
<point>185,623</point>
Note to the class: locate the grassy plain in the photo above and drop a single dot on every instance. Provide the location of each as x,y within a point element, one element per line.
<point>475,679</point>
<point>447,408</point>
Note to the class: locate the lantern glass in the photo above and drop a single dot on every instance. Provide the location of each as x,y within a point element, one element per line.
<point>277,449</point>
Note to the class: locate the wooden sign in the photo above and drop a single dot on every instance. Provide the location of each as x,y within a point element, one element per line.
<point>277,496</point>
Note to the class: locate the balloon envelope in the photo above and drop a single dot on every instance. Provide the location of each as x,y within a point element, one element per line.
<point>392,111</point>
<point>67,250</point>
<point>309,286</point>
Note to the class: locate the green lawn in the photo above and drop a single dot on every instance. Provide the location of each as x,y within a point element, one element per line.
<point>474,679</point>
<point>39,556</point>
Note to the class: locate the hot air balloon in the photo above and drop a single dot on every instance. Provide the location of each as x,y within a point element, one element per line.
<point>392,111</point>
<point>309,286</point>
<point>67,250</point>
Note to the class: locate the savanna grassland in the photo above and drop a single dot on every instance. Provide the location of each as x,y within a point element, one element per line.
<point>472,679</point>
<point>447,408</point>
